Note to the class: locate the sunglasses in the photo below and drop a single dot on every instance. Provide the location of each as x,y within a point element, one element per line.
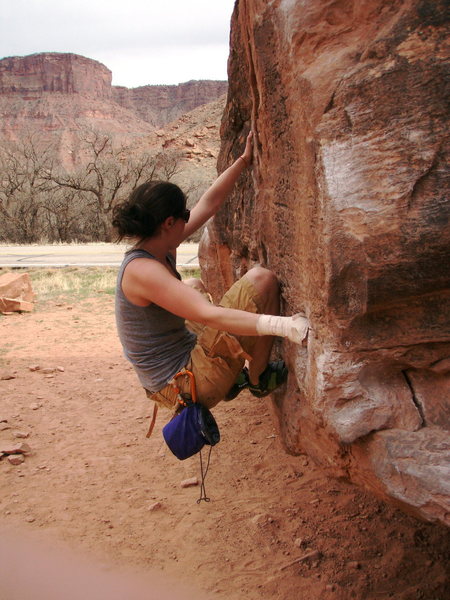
<point>185,215</point>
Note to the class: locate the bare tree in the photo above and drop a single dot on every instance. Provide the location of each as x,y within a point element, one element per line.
<point>108,175</point>
<point>168,164</point>
<point>22,189</point>
<point>39,199</point>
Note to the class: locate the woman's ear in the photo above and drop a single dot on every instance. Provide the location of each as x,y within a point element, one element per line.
<point>168,223</point>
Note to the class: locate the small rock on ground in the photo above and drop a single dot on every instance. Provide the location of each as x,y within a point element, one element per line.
<point>189,482</point>
<point>16,459</point>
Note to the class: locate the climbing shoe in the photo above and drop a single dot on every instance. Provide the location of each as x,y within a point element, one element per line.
<point>274,375</point>
<point>240,384</point>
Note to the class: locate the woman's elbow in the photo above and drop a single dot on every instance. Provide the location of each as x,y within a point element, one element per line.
<point>208,317</point>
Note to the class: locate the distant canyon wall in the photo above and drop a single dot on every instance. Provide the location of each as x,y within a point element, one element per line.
<point>36,74</point>
<point>161,104</point>
<point>53,92</point>
<point>348,203</point>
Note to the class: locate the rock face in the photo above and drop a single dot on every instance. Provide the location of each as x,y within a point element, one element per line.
<point>54,99</point>
<point>161,104</point>
<point>347,202</point>
<point>59,95</point>
<point>52,72</point>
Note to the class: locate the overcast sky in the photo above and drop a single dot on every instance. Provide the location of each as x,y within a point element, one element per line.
<point>140,41</point>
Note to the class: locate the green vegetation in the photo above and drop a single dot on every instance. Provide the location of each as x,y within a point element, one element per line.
<point>78,283</point>
<point>72,283</point>
<point>187,273</point>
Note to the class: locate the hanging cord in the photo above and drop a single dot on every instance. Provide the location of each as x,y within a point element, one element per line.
<point>203,495</point>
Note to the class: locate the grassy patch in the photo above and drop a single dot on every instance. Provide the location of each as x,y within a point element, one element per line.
<point>77,283</point>
<point>72,283</point>
<point>188,272</point>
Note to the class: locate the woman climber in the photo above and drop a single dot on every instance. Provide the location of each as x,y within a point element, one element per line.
<point>165,325</point>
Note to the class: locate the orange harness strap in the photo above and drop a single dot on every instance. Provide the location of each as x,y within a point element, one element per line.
<point>193,389</point>
<point>152,422</point>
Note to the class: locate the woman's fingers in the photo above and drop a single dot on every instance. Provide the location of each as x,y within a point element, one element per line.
<point>248,152</point>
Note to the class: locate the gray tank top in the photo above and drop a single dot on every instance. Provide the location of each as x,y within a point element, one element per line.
<point>155,341</point>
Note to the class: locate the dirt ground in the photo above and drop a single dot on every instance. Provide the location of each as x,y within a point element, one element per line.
<point>277,526</point>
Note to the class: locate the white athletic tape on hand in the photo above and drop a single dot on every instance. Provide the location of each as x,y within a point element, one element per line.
<point>294,328</point>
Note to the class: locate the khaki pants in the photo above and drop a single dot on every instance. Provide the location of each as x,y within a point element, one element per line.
<point>218,357</point>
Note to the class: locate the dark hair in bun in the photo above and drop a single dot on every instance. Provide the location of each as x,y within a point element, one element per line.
<point>148,206</point>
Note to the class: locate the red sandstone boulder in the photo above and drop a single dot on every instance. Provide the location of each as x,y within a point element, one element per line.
<point>16,293</point>
<point>347,202</point>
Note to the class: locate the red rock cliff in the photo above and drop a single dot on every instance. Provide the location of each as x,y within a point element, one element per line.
<point>52,72</point>
<point>160,104</point>
<point>60,95</point>
<point>38,74</point>
<point>347,202</point>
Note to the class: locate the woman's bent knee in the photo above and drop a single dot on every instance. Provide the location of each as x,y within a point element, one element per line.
<point>263,279</point>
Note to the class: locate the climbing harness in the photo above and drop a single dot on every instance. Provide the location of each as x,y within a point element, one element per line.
<point>192,428</point>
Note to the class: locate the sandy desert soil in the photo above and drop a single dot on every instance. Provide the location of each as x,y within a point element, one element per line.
<point>277,526</point>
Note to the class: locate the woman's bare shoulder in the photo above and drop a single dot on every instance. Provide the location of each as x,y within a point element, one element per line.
<point>144,266</point>
<point>141,277</point>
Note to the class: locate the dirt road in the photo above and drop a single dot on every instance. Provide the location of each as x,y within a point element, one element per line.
<point>81,255</point>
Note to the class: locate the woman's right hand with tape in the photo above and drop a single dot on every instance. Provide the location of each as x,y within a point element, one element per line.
<point>294,328</point>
